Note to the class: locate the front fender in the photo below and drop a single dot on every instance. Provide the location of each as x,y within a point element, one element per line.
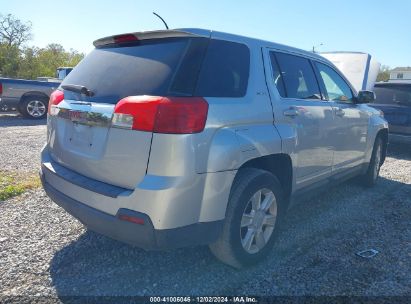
<point>376,123</point>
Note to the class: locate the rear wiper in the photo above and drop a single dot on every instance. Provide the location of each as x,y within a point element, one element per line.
<point>78,89</point>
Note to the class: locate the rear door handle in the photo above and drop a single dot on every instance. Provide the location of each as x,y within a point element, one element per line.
<point>291,112</point>
<point>339,112</point>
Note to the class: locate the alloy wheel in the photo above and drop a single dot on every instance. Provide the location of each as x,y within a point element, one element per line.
<point>258,221</point>
<point>36,108</point>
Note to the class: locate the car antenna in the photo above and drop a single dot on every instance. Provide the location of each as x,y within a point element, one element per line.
<point>161,19</point>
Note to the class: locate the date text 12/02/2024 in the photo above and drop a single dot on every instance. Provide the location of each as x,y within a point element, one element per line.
<point>204,299</point>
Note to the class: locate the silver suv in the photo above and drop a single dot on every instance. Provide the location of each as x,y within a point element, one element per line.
<point>174,138</point>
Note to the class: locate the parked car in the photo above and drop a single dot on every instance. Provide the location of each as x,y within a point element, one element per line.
<point>394,99</point>
<point>173,138</point>
<point>29,97</point>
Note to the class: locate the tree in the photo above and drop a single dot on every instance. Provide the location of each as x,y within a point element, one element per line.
<point>29,67</point>
<point>14,32</point>
<point>53,56</point>
<point>9,60</point>
<point>19,60</point>
<point>384,73</point>
<point>37,62</point>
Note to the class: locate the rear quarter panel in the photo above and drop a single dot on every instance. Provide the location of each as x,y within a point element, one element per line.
<point>237,130</point>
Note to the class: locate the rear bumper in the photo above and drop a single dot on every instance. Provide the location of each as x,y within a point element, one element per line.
<point>141,235</point>
<point>398,138</point>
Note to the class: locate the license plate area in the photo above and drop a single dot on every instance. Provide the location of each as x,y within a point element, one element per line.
<point>84,141</point>
<point>80,135</point>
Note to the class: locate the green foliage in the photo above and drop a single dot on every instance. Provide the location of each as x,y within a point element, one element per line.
<point>29,62</point>
<point>384,73</point>
<point>9,60</point>
<point>13,183</point>
<point>10,191</point>
<point>33,62</point>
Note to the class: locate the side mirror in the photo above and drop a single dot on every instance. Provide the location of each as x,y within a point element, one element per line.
<point>365,97</point>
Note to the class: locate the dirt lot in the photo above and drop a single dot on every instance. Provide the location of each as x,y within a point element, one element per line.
<point>43,251</point>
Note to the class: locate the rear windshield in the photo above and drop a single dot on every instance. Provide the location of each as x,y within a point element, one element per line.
<point>400,94</point>
<point>163,67</point>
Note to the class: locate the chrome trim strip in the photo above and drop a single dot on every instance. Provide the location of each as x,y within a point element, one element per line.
<point>85,117</point>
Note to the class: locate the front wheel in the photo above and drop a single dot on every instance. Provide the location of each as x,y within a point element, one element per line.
<point>255,207</point>
<point>370,177</point>
<point>34,107</point>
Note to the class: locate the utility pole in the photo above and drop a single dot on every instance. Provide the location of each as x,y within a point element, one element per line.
<point>316,46</point>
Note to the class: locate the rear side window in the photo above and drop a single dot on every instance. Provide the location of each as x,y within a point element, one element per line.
<point>337,89</point>
<point>295,77</point>
<point>393,95</point>
<point>161,67</point>
<point>225,70</point>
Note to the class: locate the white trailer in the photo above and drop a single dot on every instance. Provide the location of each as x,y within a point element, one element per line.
<point>361,69</point>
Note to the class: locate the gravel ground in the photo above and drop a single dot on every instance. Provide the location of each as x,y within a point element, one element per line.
<point>45,252</point>
<point>20,142</point>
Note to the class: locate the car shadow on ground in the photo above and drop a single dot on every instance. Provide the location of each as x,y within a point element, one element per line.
<point>16,120</point>
<point>95,265</point>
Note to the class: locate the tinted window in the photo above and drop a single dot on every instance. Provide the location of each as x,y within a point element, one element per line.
<point>164,67</point>
<point>393,95</point>
<point>225,70</point>
<point>335,86</point>
<point>298,77</point>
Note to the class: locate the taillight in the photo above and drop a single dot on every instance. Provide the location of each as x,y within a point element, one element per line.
<point>1,88</point>
<point>174,115</point>
<point>55,98</point>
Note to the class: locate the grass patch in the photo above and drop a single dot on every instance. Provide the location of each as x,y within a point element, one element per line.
<point>16,183</point>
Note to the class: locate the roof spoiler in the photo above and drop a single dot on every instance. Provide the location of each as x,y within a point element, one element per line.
<point>130,37</point>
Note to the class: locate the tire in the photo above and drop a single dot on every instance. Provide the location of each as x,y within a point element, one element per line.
<point>34,107</point>
<point>370,178</point>
<point>236,245</point>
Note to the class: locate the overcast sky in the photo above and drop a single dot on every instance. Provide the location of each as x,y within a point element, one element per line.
<point>381,28</point>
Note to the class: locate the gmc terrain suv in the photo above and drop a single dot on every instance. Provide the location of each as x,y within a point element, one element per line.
<point>173,138</point>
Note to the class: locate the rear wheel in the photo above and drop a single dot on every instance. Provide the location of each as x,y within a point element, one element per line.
<point>373,171</point>
<point>34,107</point>
<point>255,208</point>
